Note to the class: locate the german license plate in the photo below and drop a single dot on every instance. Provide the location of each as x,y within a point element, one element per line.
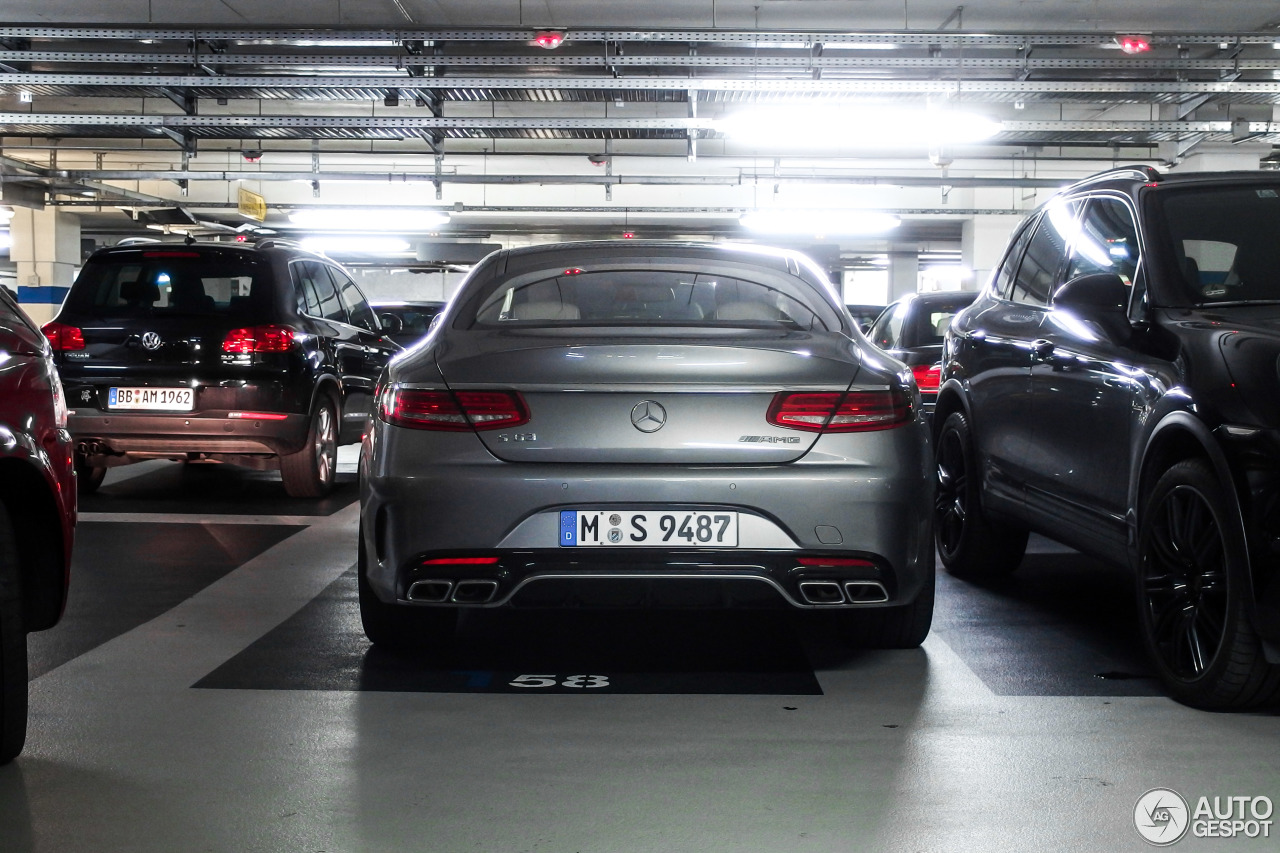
<point>648,528</point>
<point>151,399</point>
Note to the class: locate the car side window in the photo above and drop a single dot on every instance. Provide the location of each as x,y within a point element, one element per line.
<point>1009,267</point>
<point>317,291</point>
<point>1038,273</point>
<point>357,306</point>
<point>888,326</point>
<point>1107,241</point>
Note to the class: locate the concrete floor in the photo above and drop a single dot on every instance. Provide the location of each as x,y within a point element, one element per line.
<point>210,690</point>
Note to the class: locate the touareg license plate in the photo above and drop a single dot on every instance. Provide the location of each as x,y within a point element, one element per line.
<point>151,399</point>
<point>648,528</point>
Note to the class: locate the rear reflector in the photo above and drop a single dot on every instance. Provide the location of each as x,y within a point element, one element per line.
<point>834,562</point>
<point>452,411</point>
<point>928,376</point>
<point>460,561</point>
<point>833,411</point>
<point>63,338</point>
<point>257,416</point>
<point>258,339</point>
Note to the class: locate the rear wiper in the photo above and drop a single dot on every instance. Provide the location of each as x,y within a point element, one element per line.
<point>1237,303</point>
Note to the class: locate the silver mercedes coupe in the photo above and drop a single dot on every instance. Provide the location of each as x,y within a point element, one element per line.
<point>646,424</point>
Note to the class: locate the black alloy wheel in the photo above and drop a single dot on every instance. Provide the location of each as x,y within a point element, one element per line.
<point>310,472</point>
<point>13,647</point>
<point>970,544</point>
<point>1192,588</point>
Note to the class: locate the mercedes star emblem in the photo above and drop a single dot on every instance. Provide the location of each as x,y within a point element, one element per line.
<point>648,416</point>
<point>151,341</point>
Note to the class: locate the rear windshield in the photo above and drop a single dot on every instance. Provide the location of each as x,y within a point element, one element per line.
<point>1225,241</point>
<point>172,281</point>
<point>575,297</point>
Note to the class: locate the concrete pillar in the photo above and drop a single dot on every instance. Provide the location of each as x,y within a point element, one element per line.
<point>904,272</point>
<point>983,240</point>
<point>46,252</point>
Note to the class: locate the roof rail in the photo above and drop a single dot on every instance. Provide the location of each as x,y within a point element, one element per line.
<point>1138,171</point>
<point>276,242</point>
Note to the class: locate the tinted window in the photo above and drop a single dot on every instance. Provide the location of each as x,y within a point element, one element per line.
<point>645,297</point>
<point>318,290</point>
<point>1225,241</point>
<point>1038,272</point>
<point>888,327</point>
<point>1009,267</point>
<point>1107,241</point>
<point>172,281</point>
<point>357,306</point>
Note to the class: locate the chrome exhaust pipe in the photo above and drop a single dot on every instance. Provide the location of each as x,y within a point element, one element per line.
<point>474,592</point>
<point>821,592</point>
<point>865,592</point>
<point>432,591</point>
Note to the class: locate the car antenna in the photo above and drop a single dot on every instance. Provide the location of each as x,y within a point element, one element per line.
<point>189,239</point>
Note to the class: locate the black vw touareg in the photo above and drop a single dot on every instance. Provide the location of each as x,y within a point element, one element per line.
<point>1116,387</point>
<point>260,355</point>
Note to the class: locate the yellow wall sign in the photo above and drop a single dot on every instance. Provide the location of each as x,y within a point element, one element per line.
<point>252,205</point>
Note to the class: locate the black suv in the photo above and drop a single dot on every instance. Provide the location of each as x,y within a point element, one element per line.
<point>260,355</point>
<point>1115,387</point>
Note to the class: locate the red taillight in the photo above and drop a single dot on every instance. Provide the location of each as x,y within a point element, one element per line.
<point>928,376</point>
<point>258,339</point>
<point>444,410</point>
<point>63,338</point>
<point>833,411</point>
<point>460,561</point>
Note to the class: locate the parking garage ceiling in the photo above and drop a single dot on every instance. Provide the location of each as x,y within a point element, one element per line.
<point>574,117</point>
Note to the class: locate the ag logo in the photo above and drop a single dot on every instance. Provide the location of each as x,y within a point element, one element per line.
<point>1161,816</point>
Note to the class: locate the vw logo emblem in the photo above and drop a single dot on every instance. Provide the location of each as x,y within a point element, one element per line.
<point>648,416</point>
<point>151,341</point>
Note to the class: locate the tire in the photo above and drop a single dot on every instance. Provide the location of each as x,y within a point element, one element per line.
<point>398,627</point>
<point>310,472</point>
<point>970,544</point>
<point>88,477</point>
<point>1192,594</point>
<point>13,647</point>
<point>902,627</point>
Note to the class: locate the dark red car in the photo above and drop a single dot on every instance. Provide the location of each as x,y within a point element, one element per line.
<point>37,508</point>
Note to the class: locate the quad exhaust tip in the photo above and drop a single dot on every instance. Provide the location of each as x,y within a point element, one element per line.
<point>865,592</point>
<point>821,592</point>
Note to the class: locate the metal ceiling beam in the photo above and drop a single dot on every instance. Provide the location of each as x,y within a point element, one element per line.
<point>184,122</point>
<point>525,35</point>
<point>83,175</point>
<point>882,59</point>
<point>286,85</point>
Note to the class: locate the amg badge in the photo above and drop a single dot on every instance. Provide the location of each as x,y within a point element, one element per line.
<point>769,439</point>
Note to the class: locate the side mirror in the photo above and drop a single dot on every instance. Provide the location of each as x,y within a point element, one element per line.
<point>1101,298</point>
<point>1091,295</point>
<point>391,324</point>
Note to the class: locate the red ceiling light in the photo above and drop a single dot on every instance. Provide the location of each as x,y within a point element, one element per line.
<point>1133,44</point>
<point>548,39</point>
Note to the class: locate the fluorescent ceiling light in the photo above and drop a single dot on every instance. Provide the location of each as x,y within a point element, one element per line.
<point>824,222</point>
<point>377,219</point>
<point>6,241</point>
<point>358,245</point>
<point>852,126</point>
